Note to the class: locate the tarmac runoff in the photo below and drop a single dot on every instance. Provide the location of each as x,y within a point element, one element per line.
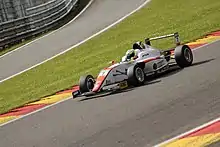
<point>67,94</point>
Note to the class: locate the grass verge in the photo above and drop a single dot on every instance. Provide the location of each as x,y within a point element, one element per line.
<point>191,18</point>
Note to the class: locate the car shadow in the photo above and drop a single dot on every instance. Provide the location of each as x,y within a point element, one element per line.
<point>107,94</point>
<point>130,88</point>
<point>152,81</point>
<point>202,62</point>
<point>174,69</point>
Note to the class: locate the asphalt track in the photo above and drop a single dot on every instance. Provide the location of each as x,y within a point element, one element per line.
<point>216,144</point>
<point>145,116</point>
<point>98,16</point>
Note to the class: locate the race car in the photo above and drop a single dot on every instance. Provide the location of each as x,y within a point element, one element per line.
<point>138,63</point>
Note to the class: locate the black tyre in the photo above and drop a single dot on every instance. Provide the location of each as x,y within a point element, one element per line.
<point>86,83</point>
<point>136,76</point>
<point>183,56</point>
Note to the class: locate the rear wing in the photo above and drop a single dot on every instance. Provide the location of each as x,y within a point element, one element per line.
<point>175,35</point>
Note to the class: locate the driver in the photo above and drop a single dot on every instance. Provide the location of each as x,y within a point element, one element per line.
<point>132,54</point>
<point>138,47</point>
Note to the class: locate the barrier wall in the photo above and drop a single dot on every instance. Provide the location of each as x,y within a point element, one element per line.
<point>32,18</point>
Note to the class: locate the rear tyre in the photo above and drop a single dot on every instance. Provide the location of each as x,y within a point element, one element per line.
<point>183,56</point>
<point>86,83</point>
<point>136,76</point>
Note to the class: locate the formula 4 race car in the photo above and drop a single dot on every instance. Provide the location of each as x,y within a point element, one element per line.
<point>133,72</point>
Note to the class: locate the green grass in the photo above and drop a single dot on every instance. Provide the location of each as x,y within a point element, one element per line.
<point>191,18</point>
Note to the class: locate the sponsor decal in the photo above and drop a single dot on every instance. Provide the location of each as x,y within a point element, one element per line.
<point>123,85</point>
<point>145,55</point>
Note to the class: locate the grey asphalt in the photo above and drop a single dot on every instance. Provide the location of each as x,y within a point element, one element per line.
<point>215,144</point>
<point>145,116</point>
<point>98,16</point>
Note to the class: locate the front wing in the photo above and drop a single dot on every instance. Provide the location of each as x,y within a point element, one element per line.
<point>107,88</point>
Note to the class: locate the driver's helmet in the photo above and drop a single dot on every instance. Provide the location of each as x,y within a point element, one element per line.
<point>130,54</point>
<point>138,45</point>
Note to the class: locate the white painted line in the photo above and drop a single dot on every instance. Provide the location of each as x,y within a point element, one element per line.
<point>1,125</point>
<point>204,45</point>
<point>44,108</point>
<point>90,2</point>
<point>78,44</point>
<point>189,132</point>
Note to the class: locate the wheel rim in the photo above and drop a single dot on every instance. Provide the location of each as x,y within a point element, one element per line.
<point>90,84</point>
<point>139,74</point>
<point>187,55</point>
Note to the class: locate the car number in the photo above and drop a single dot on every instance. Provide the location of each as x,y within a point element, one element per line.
<point>123,85</point>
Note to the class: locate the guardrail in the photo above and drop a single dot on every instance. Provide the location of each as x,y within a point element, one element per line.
<point>37,19</point>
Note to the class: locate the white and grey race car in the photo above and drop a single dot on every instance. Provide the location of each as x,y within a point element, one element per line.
<point>149,61</point>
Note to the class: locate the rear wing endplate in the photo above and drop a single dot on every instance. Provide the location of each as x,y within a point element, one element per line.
<point>175,35</point>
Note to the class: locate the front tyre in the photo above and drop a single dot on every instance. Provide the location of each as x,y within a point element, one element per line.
<point>136,76</point>
<point>86,83</point>
<point>183,56</point>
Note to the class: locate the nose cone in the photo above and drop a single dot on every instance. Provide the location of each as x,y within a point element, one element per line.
<point>98,83</point>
